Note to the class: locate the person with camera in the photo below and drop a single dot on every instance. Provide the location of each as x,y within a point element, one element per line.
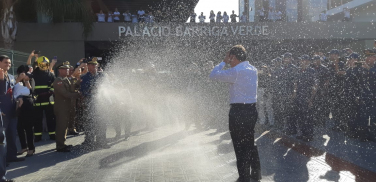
<point>62,108</point>
<point>25,108</point>
<point>7,108</point>
<point>242,78</point>
<point>94,128</point>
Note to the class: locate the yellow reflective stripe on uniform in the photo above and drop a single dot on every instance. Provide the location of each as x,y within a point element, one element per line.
<point>52,89</point>
<point>41,86</point>
<point>37,134</point>
<point>44,104</point>
<point>51,133</point>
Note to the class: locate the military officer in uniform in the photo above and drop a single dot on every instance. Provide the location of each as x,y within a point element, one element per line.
<point>94,128</point>
<point>63,99</point>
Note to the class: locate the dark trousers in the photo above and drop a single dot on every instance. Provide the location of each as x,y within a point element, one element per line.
<point>288,114</point>
<point>95,127</point>
<point>366,115</point>
<point>38,119</point>
<point>304,118</point>
<point>320,109</point>
<point>127,125</point>
<point>3,157</point>
<point>26,125</point>
<point>278,109</point>
<point>11,135</point>
<point>242,120</point>
<point>337,107</point>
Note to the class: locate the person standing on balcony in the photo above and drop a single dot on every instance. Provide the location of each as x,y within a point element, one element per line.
<point>261,14</point>
<point>101,16</point>
<point>278,15</point>
<point>219,17</point>
<point>323,16</point>
<point>225,17</point>
<point>127,17</point>
<point>212,16</point>
<point>233,17</point>
<point>116,15</point>
<point>346,14</point>
<point>109,17</point>
<point>202,17</point>
<point>243,18</point>
<point>193,17</point>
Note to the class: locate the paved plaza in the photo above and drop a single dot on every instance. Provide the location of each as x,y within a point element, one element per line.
<point>171,154</point>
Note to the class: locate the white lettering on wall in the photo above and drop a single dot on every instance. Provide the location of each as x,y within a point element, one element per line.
<point>196,31</point>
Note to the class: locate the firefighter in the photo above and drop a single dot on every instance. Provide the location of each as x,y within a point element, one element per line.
<point>44,99</point>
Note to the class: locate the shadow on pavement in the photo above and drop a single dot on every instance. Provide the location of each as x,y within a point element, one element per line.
<point>140,151</point>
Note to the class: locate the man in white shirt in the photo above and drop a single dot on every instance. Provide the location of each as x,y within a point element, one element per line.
<point>242,78</point>
<point>116,15</point>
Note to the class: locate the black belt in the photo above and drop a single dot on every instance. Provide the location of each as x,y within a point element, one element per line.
<point>243,105</point>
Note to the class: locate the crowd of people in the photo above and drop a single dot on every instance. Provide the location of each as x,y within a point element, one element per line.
<point>142,17</point>
<point>294,95</point>
<point>299,95</point>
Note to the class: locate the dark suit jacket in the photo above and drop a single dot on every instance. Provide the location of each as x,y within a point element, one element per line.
<point>7,103</point>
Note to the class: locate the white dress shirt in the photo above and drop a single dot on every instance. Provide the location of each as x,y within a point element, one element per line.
<point>242,79</point>
<point>20,90</point>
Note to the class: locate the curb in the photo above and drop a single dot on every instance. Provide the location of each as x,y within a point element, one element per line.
<point>337,164</point>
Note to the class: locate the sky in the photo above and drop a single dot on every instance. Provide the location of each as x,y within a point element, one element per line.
<point>216,5</point>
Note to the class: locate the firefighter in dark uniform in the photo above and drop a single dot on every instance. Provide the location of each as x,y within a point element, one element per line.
<point>93,126</point>
<point>337,71</point>
<point>287,79</point>
<point>305,90</point>
<point>321,110</point>
<point>44,101</point>
<point>63,99</point>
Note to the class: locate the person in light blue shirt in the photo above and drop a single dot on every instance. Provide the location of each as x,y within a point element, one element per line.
<point>242,78</point>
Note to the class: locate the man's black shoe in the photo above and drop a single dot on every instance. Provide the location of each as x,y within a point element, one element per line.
<point>17,159</point>
<point>256,175</point>
<point>65,149</point>
<point>7,180</point>
<point>243,179</point>
<point>37,138</point>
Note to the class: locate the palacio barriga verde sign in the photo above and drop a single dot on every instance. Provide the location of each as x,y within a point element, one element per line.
<point>192,31</point>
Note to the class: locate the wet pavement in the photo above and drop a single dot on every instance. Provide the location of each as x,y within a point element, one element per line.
<point>169,153</point>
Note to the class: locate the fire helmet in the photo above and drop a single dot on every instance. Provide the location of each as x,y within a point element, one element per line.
<point>43,63</point>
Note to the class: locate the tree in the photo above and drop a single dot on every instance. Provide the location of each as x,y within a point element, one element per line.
<point>78,10</point>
